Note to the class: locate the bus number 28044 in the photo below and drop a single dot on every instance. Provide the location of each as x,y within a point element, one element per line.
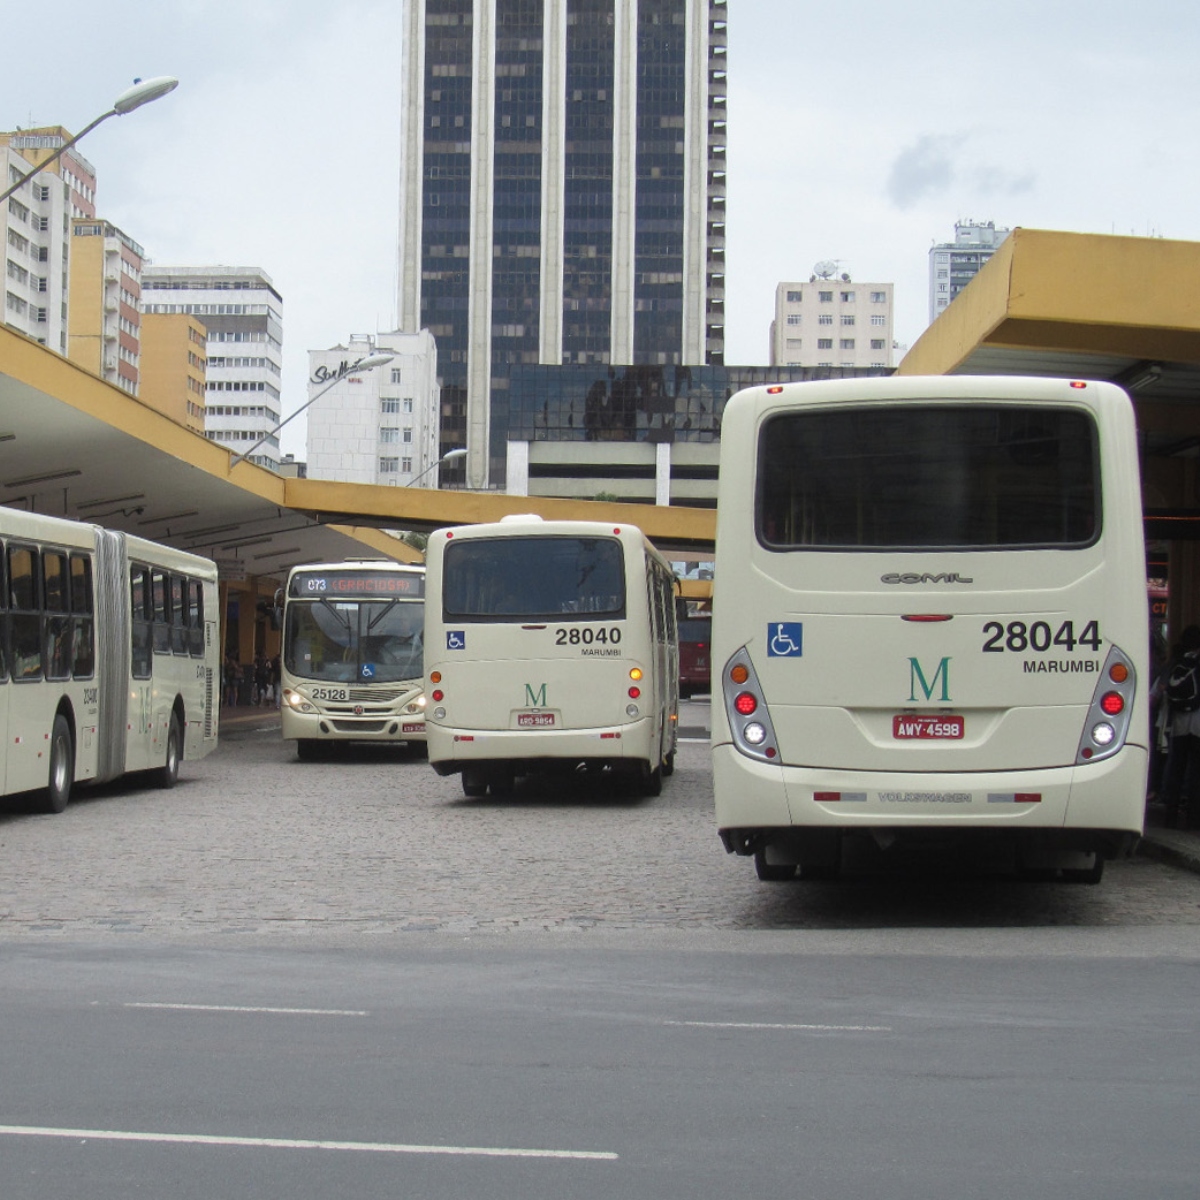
<point>587,636</point>
<point>1019,637</point>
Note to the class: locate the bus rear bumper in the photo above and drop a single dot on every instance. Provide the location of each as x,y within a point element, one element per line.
<point>1101,805</point>
<point>452,749</point>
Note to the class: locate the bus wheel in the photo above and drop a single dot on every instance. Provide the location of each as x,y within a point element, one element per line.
<point>1092,874</point>
<point>502,781</point>
<point>772,872</point>
<point>62,766</point>
<point>308,749</point>
<point>650,780</point>
<point>474,782</point>
<point>167,776</point>
<point>668,767</point>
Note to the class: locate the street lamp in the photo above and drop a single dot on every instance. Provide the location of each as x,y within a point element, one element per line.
<point>449,456</point>
<point>364,364</point>
<point>134,97</point>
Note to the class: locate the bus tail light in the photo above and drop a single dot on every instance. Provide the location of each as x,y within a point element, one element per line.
<point>1106,725</point>
<point>746,710</point>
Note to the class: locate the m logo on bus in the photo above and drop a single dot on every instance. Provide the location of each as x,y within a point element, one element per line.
<point>916,678</point>
<point>535,699</point>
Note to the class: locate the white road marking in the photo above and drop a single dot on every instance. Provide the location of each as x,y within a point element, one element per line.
<point>765,1025</point>
<point>234,1008</point>
<point>200,1139</point>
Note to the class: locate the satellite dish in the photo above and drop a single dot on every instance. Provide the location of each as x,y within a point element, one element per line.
<point>825,269</point>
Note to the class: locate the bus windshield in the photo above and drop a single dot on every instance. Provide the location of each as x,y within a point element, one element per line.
<point>345,641</point>
<point>928,475</point>
<point>534,578</point>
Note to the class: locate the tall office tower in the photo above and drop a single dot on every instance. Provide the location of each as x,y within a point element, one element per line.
<point>375,426</point>
<point>952,265</point>
<point>36,226</point>
<point>104,325</point>
<point>562,194</point>
<point>832,321</point>
<point>243,314</point>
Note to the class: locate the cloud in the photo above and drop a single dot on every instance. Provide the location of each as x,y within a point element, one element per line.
<point>924,168</point>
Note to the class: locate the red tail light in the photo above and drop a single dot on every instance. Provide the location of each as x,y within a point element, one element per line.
<point>745,703</point>
<point>1112,703</point>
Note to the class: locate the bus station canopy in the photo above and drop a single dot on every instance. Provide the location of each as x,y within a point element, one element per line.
<point>1087,306</point>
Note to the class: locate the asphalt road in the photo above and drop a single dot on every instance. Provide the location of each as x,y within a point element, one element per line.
<point>344,979</point>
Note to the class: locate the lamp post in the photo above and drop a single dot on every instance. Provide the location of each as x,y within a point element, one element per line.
<point>364,364</point>
<point>134,97</point>
<point>449,456</point>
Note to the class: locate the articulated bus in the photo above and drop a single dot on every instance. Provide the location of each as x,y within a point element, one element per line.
<point>552,644</point>
<point>351,666</point>
<point>930,623</point>
<point>109,656</point>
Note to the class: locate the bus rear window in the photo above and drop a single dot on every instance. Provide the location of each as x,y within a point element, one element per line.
<point>928,475</point>
<point>536,578</point>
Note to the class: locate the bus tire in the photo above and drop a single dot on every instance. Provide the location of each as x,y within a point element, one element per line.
<point>62,765</point>
<point>474,782</point>
<point>650,779</point>
<point>1092,874</point>
<point>772,872</point>
<point>308,749</point>
<point>668,766</point>
<point>167,776</point>
<point>502,781</point>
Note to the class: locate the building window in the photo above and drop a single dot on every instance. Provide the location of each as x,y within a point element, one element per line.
<point>847,297</point>
<point>794,297</point>
<point>824,343</point>
<point>847,318</point>
<point>825,297</point>
<point>879,297</point>
<point>389,404</point>
<point>878,320</point>
<point>407,405</point>
<point>793,319</point>
<point>395,374</point>
<point>389,433</point>
<point>389,466</point>
<point>825,319</point>
<point>878,343</point>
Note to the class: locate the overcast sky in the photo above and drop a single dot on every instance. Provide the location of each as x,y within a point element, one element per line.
<point>857,132</point>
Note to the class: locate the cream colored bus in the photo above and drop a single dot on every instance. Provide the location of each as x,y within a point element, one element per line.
<point>109,656</point>
<point>351,665</point>
<point>550,644</point>
<point>930,622</point>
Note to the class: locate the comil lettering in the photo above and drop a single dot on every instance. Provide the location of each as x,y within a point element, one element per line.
<point>927,577</point>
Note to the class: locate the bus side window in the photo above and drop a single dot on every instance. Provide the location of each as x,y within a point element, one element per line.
<point>178,615</point>
<point>58,619</point>
<point>25,612</point>
<point>3,616</point>
<point>161,599</point>
<point>83,617</point>
<point>195,618</point>
<point>141,614</point>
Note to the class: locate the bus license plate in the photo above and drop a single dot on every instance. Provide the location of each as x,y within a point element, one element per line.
<point>412,727</point>
<point>534,720</point>
<point>927,727</point>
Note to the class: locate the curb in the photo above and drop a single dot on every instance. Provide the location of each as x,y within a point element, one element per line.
<point>1177,849</point>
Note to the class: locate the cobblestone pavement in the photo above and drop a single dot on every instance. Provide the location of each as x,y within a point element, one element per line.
<point>253,842</point>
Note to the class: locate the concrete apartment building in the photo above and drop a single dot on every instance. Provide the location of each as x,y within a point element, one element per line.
<point>562,196</point>
<point>36,223</point>
<point>173,367</point>
<point>105,296</point>
<point>833,321</point>
<point>952,265</point>
<point>378,426</point>
<point>243,316</point>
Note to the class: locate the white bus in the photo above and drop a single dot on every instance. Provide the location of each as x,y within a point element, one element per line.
<point>551,644</point>
<point>351,664</point>
<point>109,656</point>
<point>930,621</point>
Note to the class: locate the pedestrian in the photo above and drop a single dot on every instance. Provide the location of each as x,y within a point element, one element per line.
<point>260,679</point>
<point>233,678</point>
<point>1181,783</point>
<point>276,691</point>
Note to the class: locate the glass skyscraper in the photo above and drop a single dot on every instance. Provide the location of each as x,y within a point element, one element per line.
<point>562,194</point>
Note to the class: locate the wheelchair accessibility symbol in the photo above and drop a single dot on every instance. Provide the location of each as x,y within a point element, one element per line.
<point>367,671</point>
<point>785,639</point>
<point>456,639</point>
